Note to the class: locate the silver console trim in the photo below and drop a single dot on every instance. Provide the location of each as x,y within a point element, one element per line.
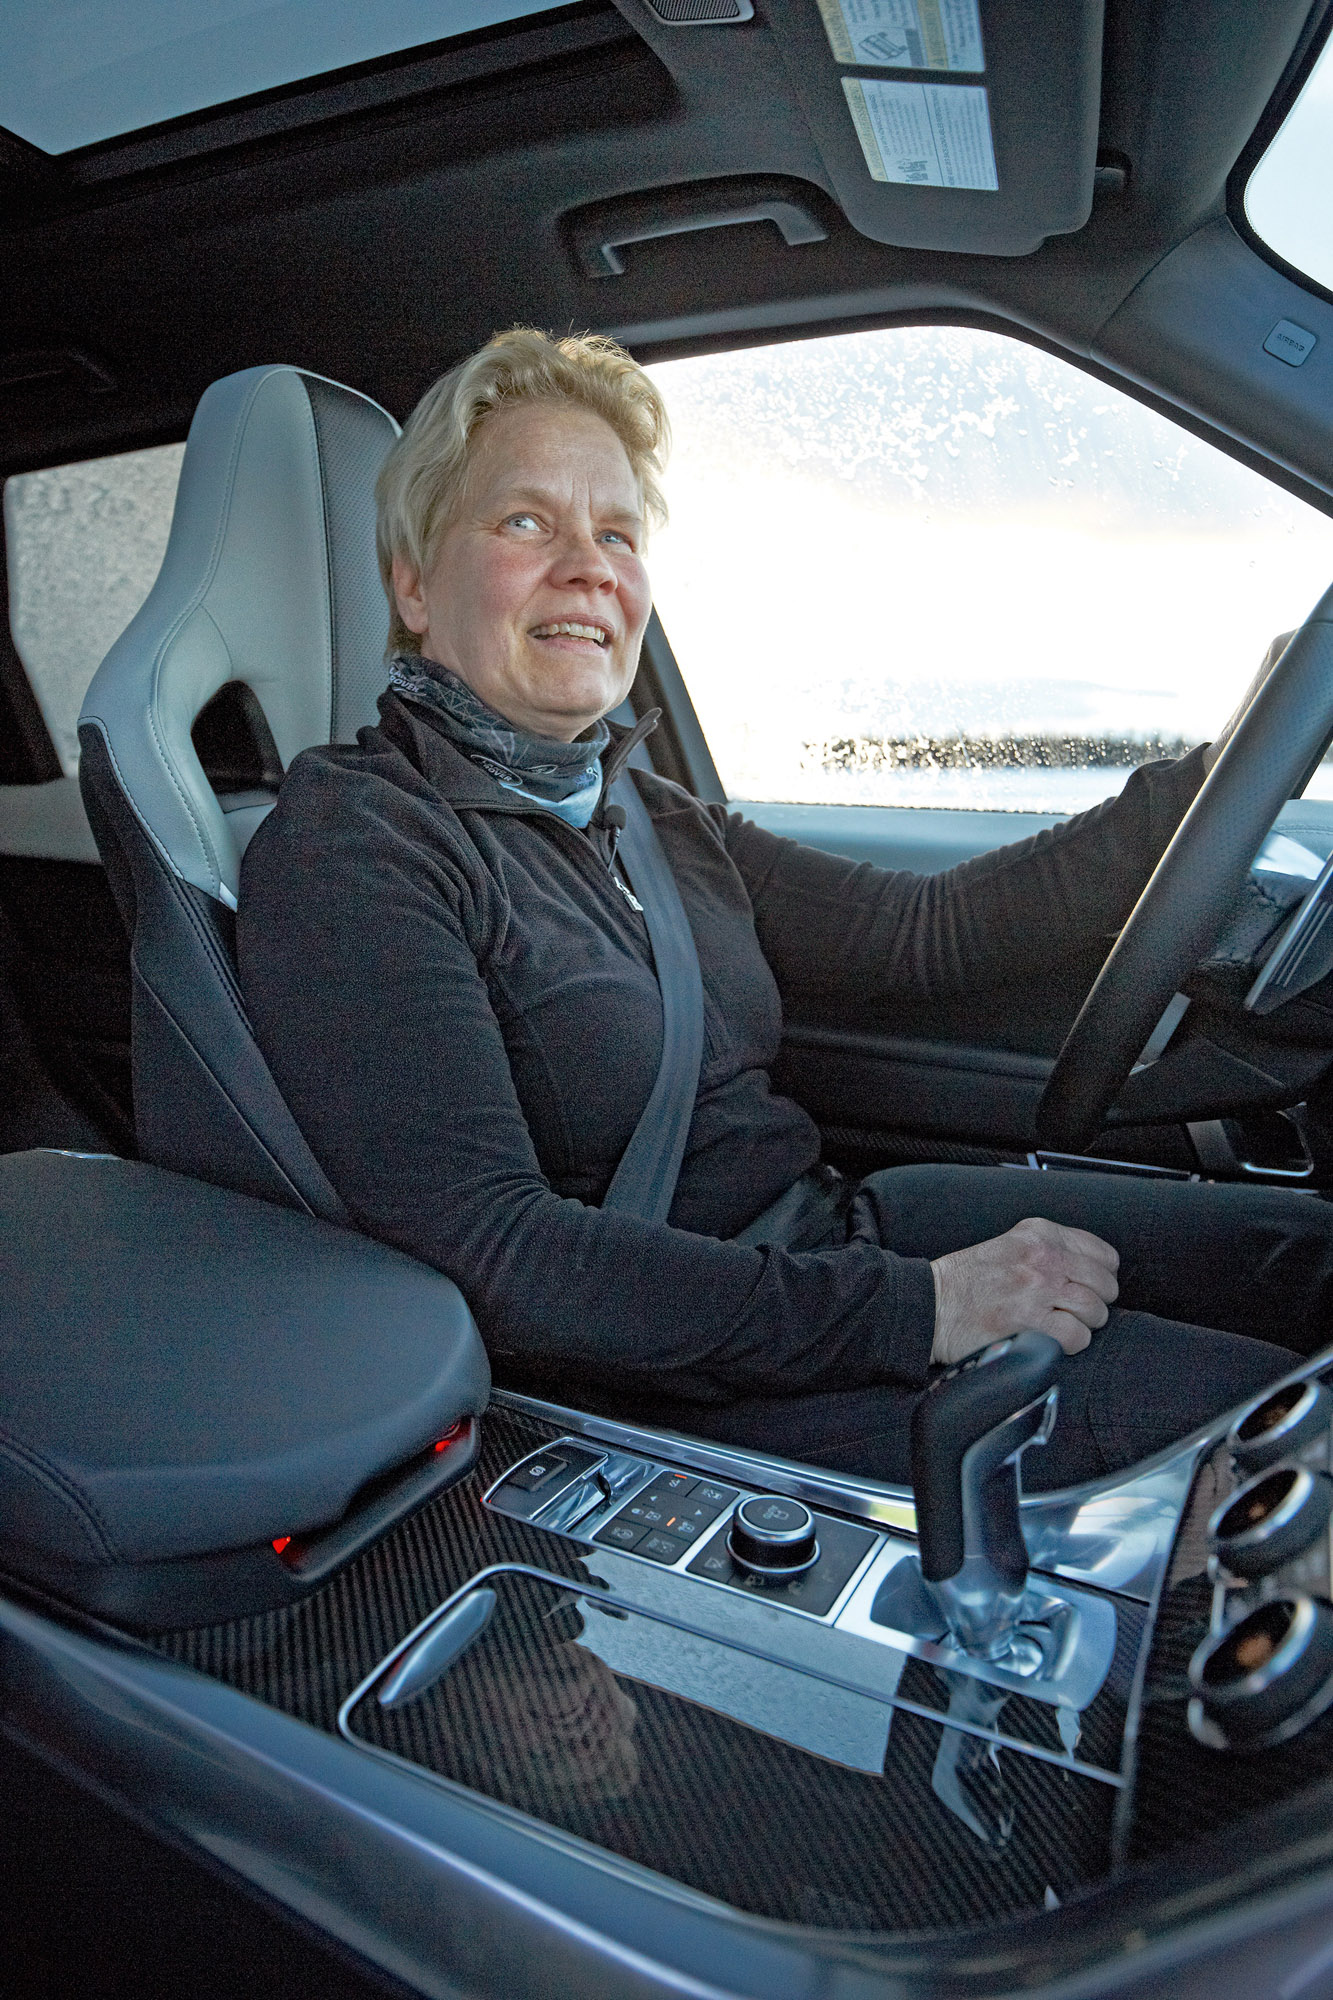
<point>863,1499</point>
<point>1115,1534</point>
<point>1071,1677</point>
<point>587,1525</point>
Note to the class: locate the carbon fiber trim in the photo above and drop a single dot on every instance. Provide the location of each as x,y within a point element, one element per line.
<point>532,1716</point>
<point>841,1848</point>
<point>307,1658</point>
<point>1181,1785</point>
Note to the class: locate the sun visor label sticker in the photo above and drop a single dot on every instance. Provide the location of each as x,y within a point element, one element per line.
<point>905,34</point>
<point>924,134</point>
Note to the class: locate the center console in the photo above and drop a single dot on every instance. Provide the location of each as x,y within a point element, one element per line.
<point>700,1691</point>
<point>828,1702</point>
<point>770,1685</point>
<point>809,1697</point>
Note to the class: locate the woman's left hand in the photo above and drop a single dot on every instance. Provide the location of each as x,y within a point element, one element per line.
<point>1270,659</point>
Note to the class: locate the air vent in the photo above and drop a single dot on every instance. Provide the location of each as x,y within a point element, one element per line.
<point>700,13</point>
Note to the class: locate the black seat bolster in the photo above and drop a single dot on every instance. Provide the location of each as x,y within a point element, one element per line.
<point>205,1102</point>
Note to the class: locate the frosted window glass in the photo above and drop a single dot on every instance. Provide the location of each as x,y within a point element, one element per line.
<point>936,566</point>
<point>84,544</point>
<point>1289,196</point>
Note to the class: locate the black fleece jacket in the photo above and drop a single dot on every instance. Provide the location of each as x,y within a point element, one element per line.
<point>459,1005</point>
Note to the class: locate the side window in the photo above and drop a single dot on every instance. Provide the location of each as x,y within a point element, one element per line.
<point>935,566</point>
<point>83,545</point>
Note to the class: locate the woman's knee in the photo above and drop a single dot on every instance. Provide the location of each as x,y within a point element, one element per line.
<point>1149,1382</point>
<point>924,1211</point>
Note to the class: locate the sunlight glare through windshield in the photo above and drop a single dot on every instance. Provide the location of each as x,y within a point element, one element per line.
<point>1289,198</point>
<point>937,566</point>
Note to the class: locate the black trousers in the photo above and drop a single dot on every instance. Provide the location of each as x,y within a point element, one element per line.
<point>1221,1288</point>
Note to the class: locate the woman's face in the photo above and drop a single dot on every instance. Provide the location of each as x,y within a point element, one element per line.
<point>538,596</point>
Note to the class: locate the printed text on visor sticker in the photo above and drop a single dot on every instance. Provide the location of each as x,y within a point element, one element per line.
<point>924,134</point>
<point>905,34</point>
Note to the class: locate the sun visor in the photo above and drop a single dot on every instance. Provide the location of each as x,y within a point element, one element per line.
<point>965,125</point>
<point>948,124</point>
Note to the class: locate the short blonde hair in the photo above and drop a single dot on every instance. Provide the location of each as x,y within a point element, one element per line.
<point>421,483</point>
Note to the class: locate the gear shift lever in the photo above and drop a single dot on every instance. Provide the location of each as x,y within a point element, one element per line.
<point>968,1431</point>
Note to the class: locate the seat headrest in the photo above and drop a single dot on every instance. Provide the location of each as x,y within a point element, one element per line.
<point>269,579</point>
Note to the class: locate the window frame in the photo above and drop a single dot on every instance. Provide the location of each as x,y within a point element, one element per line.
<point>28,755</point>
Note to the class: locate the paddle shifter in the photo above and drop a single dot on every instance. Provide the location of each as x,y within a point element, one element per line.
<point>968,1432</point>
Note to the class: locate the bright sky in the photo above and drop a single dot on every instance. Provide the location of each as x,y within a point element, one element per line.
<point>937,531</point>
<point>1289,199</point>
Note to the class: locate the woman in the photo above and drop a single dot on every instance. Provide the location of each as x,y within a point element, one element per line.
<point>466,1022</point>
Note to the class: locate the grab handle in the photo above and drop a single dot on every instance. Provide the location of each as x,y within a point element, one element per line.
<point>600,233</point>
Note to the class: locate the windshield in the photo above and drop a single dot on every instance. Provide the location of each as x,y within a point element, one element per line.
<point>1289,198</point>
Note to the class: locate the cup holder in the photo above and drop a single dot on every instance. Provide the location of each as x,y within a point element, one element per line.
<point>1280,1424</point>
<point>1274,1517</point>
<point>1266,1676</point>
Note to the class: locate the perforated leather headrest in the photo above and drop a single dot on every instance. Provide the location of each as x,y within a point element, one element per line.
<point>269,579</point>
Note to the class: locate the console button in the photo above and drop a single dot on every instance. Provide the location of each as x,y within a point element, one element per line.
<point>842,1546</point>
<point>675,1486</point>
<point>708,1495</point>
<point>771,1537</point>
<point>537,1472</point>
<point>651,1512</point>
<point>715,1562</point>
<point>681,1529</point>
<point>774,1518</point>
<point>621,1534</point>
<point>704,1512</point>
<point>538,1479</point>
<point>660,1548</point>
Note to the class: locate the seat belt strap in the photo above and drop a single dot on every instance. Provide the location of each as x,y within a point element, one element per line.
<point>645,1180</point>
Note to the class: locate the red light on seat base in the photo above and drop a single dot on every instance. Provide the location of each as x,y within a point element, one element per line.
<point>451,1436</point>
<point>280,1544</point>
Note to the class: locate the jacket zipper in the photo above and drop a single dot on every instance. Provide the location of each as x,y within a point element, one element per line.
<point>612,816</point>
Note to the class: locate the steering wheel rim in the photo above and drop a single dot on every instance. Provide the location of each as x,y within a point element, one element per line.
<point>1194,886</point>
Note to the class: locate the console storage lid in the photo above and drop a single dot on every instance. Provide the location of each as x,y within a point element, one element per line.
<point>185,1370</point>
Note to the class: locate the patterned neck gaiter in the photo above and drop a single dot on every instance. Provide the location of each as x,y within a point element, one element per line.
<point>564,778</point>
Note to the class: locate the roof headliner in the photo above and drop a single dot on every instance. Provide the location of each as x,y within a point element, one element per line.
<point>376,225</point>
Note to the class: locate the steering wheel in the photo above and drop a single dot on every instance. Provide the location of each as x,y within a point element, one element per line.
<point>1195,885</point>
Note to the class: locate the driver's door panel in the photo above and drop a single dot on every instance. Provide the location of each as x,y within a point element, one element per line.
<point>880,1084</point>
<point>971,1070</point>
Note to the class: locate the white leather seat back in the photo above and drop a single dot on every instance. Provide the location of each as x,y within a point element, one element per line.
<point>269,579</point>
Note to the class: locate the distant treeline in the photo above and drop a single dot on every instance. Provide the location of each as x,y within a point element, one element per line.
<point>991,753</point>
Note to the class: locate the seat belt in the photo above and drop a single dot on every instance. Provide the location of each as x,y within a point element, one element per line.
<point>645,1180</point>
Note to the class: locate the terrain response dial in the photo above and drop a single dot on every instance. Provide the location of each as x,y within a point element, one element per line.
<point>771,1536</point>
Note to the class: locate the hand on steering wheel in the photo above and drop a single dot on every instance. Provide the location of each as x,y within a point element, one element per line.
<point>1190,894</point>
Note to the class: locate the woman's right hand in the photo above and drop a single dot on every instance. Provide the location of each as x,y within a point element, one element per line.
<point>1038,1274</point>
